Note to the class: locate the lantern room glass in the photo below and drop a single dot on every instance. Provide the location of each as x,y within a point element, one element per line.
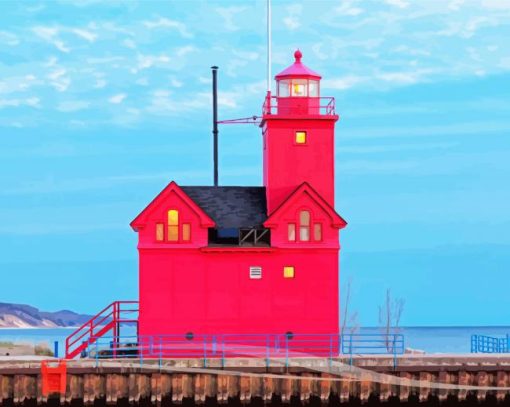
<point>284,88</point>
<point>313,89</point>
<point>298,88</point>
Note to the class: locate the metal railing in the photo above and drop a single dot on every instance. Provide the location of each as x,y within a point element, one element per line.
<point>107,320</point>
<point>275,105</point>
<point>264,347</point>
<point>490,344</point>
<point>373,344</point>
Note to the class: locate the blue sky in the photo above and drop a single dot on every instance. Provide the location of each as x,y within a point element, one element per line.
<point>102,104</point>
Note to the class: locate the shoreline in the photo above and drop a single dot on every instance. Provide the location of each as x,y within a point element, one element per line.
<point>38,327</point>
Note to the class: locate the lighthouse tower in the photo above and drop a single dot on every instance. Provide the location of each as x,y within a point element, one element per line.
<point>298,131</point>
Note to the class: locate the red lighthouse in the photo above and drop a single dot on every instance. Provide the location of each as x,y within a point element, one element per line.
<point>230,260</point>
<point>298,129</point>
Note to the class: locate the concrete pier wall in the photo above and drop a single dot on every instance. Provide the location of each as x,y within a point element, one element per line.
<point>247,380</point>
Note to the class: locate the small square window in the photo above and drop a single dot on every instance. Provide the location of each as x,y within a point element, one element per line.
<point>160,232</point>
<point>288,272</point>
<point>300,137</point>
<point>255,272</point>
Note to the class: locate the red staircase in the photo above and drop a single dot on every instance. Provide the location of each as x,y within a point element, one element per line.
<point>109,320</point>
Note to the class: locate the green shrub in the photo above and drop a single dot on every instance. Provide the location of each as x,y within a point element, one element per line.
<point>42,350</point>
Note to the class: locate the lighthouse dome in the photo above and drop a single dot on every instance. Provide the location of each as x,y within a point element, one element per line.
<point>298,69</point>
<point>297,80</point>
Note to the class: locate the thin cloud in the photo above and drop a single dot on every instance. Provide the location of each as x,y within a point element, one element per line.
<point>30,102</point>
<point>176,83</point>
<point>86,35</point>
<point>50,35</point>
<point>348,9</point>
<point>59,79</point>
<point>397,3</point>
<point>8,38</point>
<point>462,129</point>
<point>16,84</point>
<point>100,83</point>
<point>72,105</point>
<point>182,51</point>
<point>292,19</point>
<point>128,42</point>
<point>50,185</point>
<point>496,4</point>
<point>342,83</point>
<point>229,15</point>
<point>291,22</point>
<point>162,22</point>
<point>117,99</point>
<point>148,61</point>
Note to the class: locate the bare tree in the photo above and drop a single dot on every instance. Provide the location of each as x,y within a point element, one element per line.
<point>390,314</point>
<point>350,320</point>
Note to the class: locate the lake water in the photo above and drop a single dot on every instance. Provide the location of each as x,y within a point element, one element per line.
<point>429,339</point>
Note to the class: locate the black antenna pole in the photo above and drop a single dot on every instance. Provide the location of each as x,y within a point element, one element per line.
<point>215,121</point>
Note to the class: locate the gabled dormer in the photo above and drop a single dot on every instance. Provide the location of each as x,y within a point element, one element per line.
<point>172,220</point>
<point>305,219</point>
<point>200,216</point>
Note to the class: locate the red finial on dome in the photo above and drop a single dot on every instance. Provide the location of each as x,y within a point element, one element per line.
<point>298,55</point>
<point>297,70</point>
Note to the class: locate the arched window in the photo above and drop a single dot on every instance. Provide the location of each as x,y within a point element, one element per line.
<point>304,226</point>
<point>173,225</point>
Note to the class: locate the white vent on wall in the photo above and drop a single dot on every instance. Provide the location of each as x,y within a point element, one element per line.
<point>256,272</point>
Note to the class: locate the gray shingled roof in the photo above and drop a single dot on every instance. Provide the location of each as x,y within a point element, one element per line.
<point>231,207</point>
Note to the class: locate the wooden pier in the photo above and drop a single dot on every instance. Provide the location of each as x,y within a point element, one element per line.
<point>417,378</point>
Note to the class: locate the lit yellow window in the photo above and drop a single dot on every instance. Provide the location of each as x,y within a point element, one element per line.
<point>298,87</point>
<point>173,225</point>
<point>300,137</point>
<point>186,232</point>
<point>288,272</point>
<point>299,90</point>
<point>160,232</point>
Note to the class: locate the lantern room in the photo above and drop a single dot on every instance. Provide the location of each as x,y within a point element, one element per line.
<point>298,89</point>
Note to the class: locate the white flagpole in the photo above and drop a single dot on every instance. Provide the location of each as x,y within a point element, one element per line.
<point>269,46</point>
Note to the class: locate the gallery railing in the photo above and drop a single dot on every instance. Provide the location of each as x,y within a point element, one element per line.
<point>322,106</point>
<point>266,347</point>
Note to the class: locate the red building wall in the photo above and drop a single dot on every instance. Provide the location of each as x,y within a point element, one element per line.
<point>191,287</point>
<point>211,292</point>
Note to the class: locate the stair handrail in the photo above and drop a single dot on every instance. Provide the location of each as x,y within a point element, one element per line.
<point>88,327</point>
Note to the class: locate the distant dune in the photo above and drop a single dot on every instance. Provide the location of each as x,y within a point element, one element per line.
<point>26,316</point>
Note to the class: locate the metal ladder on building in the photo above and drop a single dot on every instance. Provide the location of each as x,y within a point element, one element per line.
<point>107,321</point>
